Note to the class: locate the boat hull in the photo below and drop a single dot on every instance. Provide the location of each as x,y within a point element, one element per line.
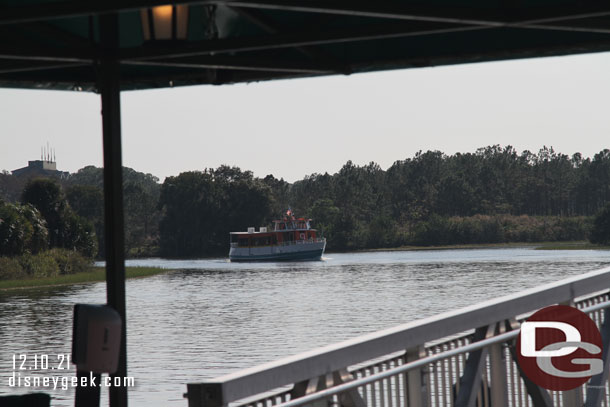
<point>294,252</point>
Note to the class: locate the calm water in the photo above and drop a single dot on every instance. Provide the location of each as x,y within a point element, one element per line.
<point>212,317</point>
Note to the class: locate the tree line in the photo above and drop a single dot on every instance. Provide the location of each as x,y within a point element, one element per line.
<point>495,194</point>
<point>42,236</point>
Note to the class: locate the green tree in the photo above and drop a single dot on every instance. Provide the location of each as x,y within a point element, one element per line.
<point>88,202</point>
<point>600,233</point>
<point>15,231</point>
<point>46,196</point>
<point>200,208</point>
<point>188,209</point>
<point>66,228</point>
<point>39,240</point>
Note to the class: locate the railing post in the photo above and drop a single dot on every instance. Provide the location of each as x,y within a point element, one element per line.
<point>499,385</point>
<point>204,395</point>
<point>416,379</point>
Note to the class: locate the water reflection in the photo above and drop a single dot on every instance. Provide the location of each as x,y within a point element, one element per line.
<point>213,317</point>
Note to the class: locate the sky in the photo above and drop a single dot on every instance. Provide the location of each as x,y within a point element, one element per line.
<point>293,128</point>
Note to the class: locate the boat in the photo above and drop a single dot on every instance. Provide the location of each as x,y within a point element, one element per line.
<point>291,239</point>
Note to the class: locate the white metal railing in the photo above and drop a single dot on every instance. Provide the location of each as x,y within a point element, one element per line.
<point>432,362</point>
<point>289,243</point>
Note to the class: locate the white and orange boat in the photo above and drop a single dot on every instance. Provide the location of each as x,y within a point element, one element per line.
<point>291,239</point>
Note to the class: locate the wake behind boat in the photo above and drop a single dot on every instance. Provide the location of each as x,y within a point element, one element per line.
<point>291,239</point>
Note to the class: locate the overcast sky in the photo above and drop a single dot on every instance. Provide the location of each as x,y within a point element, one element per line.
<point>297,127</point>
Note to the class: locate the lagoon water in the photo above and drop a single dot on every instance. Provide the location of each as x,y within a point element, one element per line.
<point>211,317</point>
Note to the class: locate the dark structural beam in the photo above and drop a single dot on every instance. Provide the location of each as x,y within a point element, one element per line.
<point>359,8</point>
<point>109,87</point>
<point>21,53</point>
<point>237,63</point>
<point>233,45</point>
<point>303,41</point>
<point>51,32</point>
<point>266,24</point>
<point>32,67</point>
<point>306,38</point>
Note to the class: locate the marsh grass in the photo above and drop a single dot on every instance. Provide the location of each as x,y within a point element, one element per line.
<point>93,275</point>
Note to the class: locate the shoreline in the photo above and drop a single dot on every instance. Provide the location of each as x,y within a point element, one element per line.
<point>94,275</point>
<point>566,245</point>
<point>97,273</point>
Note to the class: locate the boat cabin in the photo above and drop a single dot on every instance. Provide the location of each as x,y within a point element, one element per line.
<point>285,231</point>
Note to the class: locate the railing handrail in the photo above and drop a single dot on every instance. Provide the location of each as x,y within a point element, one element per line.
<point>353,384</point>
<point>288,243</point>
<point>317,362</point>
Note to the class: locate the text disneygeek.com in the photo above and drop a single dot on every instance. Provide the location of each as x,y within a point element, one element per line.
<point>64,383</point>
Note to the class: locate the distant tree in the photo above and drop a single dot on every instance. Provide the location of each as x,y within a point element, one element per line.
<point>600,233</point>
<point>89,175</point>
<point>280,194</point>
<point>88,202</point>
<point>10,186</point>
<point>200,208</point>
<point>66,228</point>
<point>46,196</point>
<point>79,235</point>
<point>189,210</point>
<point>140,199</point>
<point>40,233</point>
<point>15,231</point>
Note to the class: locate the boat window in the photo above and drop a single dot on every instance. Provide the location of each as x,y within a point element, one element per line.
<point>261,241</point>
<point>243,242</point>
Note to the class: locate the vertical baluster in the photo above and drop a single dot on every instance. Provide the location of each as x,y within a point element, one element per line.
<point>460,368</point>
<point>451,376</point>
<point>365,392</point>
<point>511,381</point>
<point>374,402</point>
<point>380,384</point>
<point>384,387</point>
<point>405,384</point>
<point>397,389</point>
<point>444,382</point>
<point>431,382</point>
<point>391,400</point>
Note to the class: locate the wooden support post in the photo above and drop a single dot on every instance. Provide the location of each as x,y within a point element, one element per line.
<point>416,379</point>
<point>596,389</point>
<point>311,386</point>
<point>470,382</point>
<point>350,398</point>
<point>499,385</point>
<point>109,87</point>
